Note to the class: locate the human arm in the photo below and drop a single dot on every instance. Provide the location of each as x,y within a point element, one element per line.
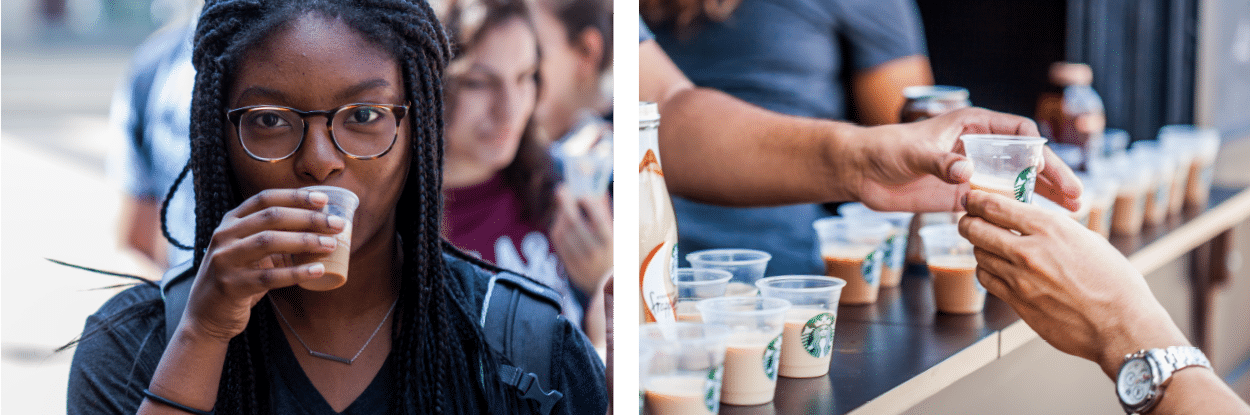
<point>1097,307</point>
<point>140,229</point>
<point>877,92</point>
<point>721,150</point>
<point>250,254</point>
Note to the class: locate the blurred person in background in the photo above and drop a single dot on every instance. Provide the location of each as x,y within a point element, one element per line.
<point>828,59</point>
<point>503,202</point>
<point>151,110</point>
<point>575,37</point>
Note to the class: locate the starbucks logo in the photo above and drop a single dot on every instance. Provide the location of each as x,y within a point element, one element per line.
<point>892,252</point>
<point>772,358</point>
<point>711,389</point>
<point>1024,184</point>
<point>817,335</point>
<point>870,269</point>
<point>672,264</point>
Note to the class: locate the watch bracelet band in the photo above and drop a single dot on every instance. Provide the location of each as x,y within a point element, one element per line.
<point>1175,358</point>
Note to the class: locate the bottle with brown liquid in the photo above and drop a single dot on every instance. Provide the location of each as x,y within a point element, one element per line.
<point>657,234</point>
<point>928,101</point>
<point>1071,112</point>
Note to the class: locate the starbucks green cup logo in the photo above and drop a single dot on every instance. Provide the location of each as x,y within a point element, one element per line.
<point>1024,184</point>
<point>772,358</point>
<point>817,335</point>
<point>711,389</point>
<point>870,267</point>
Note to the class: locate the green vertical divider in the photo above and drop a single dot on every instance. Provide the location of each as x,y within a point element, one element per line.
<point>625,200</point>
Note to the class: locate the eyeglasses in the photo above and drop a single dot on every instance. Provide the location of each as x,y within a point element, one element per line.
<point>361,131</point>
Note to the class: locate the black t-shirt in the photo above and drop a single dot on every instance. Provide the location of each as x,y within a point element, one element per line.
<point>111,367</point>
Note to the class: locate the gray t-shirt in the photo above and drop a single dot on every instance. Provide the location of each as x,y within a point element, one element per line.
<point>792,57</point>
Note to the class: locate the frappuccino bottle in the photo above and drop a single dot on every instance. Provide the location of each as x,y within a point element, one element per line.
<point>657,235</point>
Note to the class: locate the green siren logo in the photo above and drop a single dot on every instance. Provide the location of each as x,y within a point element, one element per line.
<point>891,253</point>
<point>870,268</point>
<point>772,358</point>
<point>711,389</point>
<point>1024,184</point>
<point>817,335</point>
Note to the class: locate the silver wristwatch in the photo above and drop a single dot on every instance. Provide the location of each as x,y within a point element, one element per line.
<point>1145,373</point>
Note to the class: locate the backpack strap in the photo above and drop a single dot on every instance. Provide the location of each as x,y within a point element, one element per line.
<point>175,290</point>
<point>515,311</point>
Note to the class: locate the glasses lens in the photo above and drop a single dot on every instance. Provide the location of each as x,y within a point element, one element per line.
<point>270,133</point>
<point>365,130</point>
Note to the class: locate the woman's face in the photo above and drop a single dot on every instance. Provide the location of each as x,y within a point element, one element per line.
<point>495,91</point>
<point>566,71</point>
<point>319,64</point>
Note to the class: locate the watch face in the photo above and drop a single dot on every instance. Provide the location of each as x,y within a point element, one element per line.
<point>1135,382</point>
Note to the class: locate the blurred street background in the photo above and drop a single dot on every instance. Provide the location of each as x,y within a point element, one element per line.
<point>61,60</point>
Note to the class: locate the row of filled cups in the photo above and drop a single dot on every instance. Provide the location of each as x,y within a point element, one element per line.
<point>742,345</point>
<point>864,248</point>
<point>1127,189</point>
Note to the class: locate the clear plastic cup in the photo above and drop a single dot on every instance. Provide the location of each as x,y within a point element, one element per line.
<point>343,204</point>
<point>1202,145</point>
<point>1081,215</point>
<point>1102,190</point>
<point>915,253</point>
<point>1115,141</point>
<point>746,265</point>
<point>1147,154</point>
<point>1004,164</point>
<point>683,367</point>
<point>851,250</point>
<point>694,284</point>
<point>753,352</point>
<point>956,289</point>
<point>585,156</point>
<point>895,247</point>
<point>807,341</point>
<point>1132,185</point>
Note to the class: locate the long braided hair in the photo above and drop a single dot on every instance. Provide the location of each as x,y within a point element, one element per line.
<point>434,339</point>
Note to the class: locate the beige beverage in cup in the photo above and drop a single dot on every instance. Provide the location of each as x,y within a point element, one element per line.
<point>753,348</point>
<point>847,263</point>
<point>894,250</point>
<point>953,266</point>
<point>343,204</point>
<point>807,340</point>
<point>751,363</point>
<point>993,185</point>
<point>1004,164</point>
<point>676,395</point>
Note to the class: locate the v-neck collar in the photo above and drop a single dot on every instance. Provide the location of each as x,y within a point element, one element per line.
<point>288,377</point>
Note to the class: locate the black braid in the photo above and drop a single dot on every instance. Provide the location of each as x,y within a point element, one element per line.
<point>435,340</point>
<point>165,208</point>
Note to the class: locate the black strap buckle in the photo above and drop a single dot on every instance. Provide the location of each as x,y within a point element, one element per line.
<point>528,387</point>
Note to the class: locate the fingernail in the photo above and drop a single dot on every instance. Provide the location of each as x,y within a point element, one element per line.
<point>316,268</point>
<point>318,198</point>
<point>327,241</point>
<point>336,222</point>
<point>961,169</point>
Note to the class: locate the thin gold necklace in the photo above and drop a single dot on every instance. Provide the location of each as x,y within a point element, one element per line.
<point>328,356</point>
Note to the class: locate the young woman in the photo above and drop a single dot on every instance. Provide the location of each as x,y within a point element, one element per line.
<point>290,94</point>
<point>503,203</point>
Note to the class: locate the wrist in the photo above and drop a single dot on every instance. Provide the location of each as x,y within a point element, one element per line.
<point>845,159</point>
<point>1144,331</point>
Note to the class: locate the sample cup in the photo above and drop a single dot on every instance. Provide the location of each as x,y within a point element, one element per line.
<point>694,284</point>
<point>684,367</point>
<point>753,351</point>
<point>1162,166</point>
<point>895,246</point>
<point>343,204</point>
<point>807,342</point>
<point>1081,215</point>
<point>1004,164</point>
<point>851,250</point>
<point>1102,190</point>
<point>954,268</point>
<point>1203,146</point>
<point>585,156</point>
<point>915,253</point>
<point>1134,182</point>
<point>746,265</point>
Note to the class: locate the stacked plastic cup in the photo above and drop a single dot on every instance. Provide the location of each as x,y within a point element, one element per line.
<point>851,250</point>
<point>746,265</point>
<point>1132,187</point>
<point>694,284</point>
<point>1102,190</point>
<point>683,365</point>
<point>895,246</point>
<point>753,351</point>
<point>1147,154</point>
<point>807,341</point>
<point>1202,146</point>
<point>1004,164</point>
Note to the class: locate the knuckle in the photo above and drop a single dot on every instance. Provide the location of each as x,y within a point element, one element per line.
<point>266,277</point>
<point>264,240</point>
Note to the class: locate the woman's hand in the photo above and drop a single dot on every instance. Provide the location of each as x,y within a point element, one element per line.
<point>582,237</point>
<point>251,253</point>
<point>1071,286</point>
<point>919,167</point>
